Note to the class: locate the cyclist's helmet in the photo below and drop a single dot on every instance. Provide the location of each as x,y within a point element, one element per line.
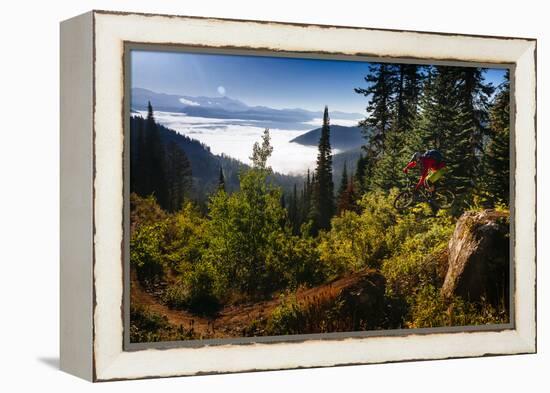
<point>416,156</point>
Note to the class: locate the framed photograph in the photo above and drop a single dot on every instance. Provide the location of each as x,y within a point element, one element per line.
<point>248,195</point>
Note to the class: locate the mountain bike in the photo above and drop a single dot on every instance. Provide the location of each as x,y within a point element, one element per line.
<point>439,198</point>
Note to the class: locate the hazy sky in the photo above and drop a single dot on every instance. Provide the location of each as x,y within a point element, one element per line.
<point>277,82</point>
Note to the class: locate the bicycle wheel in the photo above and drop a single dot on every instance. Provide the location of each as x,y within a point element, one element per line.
<point>444,198</point>
<point>403,200</point>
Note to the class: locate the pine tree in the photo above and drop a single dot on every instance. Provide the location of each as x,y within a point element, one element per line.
<point>305,205</point>
<point>497,153</point>
<point>221,180</point>
<point>381,81</point>
<point>454,109</point>
<point>348,198</point>
<point>409,90</point>
<point>388,171</point>
<point>352,196</point>
<point>343,181</point>
<point>137,161</point>
<point>323,186</point>
<point>360,168</point>
<point>156,168</point>
<point>293,213</point>
<point>474,105</point>
<point>177,173</point>
<point>438,127</point>
<point>154,176</point>
<point>343,197</point>
<point>393,91</point>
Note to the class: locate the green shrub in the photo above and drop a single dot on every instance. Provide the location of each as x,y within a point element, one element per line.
<point>420,251</point>
<point>246,238</point>
<point>205,288</point>
<point>146,253</point>
<point>430,309</point>
<point>292,261</point>
<point>184,241</point>
<point>199,289</point>
<point>144,211</point>
<point>287,318</point>
<point>379,232</point>
<point>356,240</point>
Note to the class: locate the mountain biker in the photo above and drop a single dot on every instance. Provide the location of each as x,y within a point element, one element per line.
<point>433,167</point>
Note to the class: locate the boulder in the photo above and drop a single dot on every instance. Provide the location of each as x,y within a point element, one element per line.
<point>479,258</point>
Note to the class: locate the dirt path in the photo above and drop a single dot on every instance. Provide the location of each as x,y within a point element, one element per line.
<point>230,321</point>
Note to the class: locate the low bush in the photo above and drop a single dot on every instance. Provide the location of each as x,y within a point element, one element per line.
<point>420,257</point>
<point>430,309</point>
<point>358,240</point>
<point>199,289</point>
<point>148,326</point>
<point>144,211</point>
<point>184,240</point>
<point>318,314</point>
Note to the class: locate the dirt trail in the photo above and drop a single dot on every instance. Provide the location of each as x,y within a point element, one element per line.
<point>233,318</point>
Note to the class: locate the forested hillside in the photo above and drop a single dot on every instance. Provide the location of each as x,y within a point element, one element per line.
<point>167,157</point>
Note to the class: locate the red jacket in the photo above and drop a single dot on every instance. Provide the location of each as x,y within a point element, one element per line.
<point>427,164</point>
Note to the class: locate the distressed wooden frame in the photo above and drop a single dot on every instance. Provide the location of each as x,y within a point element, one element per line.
<point>92,194</point>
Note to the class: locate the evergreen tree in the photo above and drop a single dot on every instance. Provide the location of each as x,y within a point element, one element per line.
<point>157,168</point>
<point>454,110</point>
<point>283,201</point>
<point>137,161</point>
<point>293,212</point>
<point>177,172</point>
<point>408,96</point>
<point>399,138</point>
<point>348,198</point>
<point>439,127</point>
<point>496,182</point>
<point>454,120</point>
<point>474,96</point>
<point>323,187</point>
<point>381,81</point>
<point>154,176</point>
<point>343,182</point>
<point>305,205</point>
<point>360,173</point>
<point>388,171</point>
<point>393,91</point>
<point>221,180</point>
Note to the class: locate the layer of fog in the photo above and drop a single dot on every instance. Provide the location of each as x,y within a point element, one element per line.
<point>235,138</point>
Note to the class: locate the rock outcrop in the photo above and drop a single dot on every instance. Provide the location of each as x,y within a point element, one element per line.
<point>479,258</point>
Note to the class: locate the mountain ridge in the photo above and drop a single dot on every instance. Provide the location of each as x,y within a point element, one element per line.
<point>230,108</point>
<point>341,137</point>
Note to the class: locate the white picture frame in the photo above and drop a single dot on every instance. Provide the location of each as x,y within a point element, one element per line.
<point>92,194</point>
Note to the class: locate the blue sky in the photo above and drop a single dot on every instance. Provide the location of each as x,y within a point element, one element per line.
<point>277,82</point>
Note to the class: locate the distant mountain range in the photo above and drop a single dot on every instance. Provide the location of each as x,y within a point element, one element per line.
<point>229,108</point>
<point>341,137</point>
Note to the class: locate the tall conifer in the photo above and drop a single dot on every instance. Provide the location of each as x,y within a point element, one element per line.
<point>497,154</point>
<point>323,187</point>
